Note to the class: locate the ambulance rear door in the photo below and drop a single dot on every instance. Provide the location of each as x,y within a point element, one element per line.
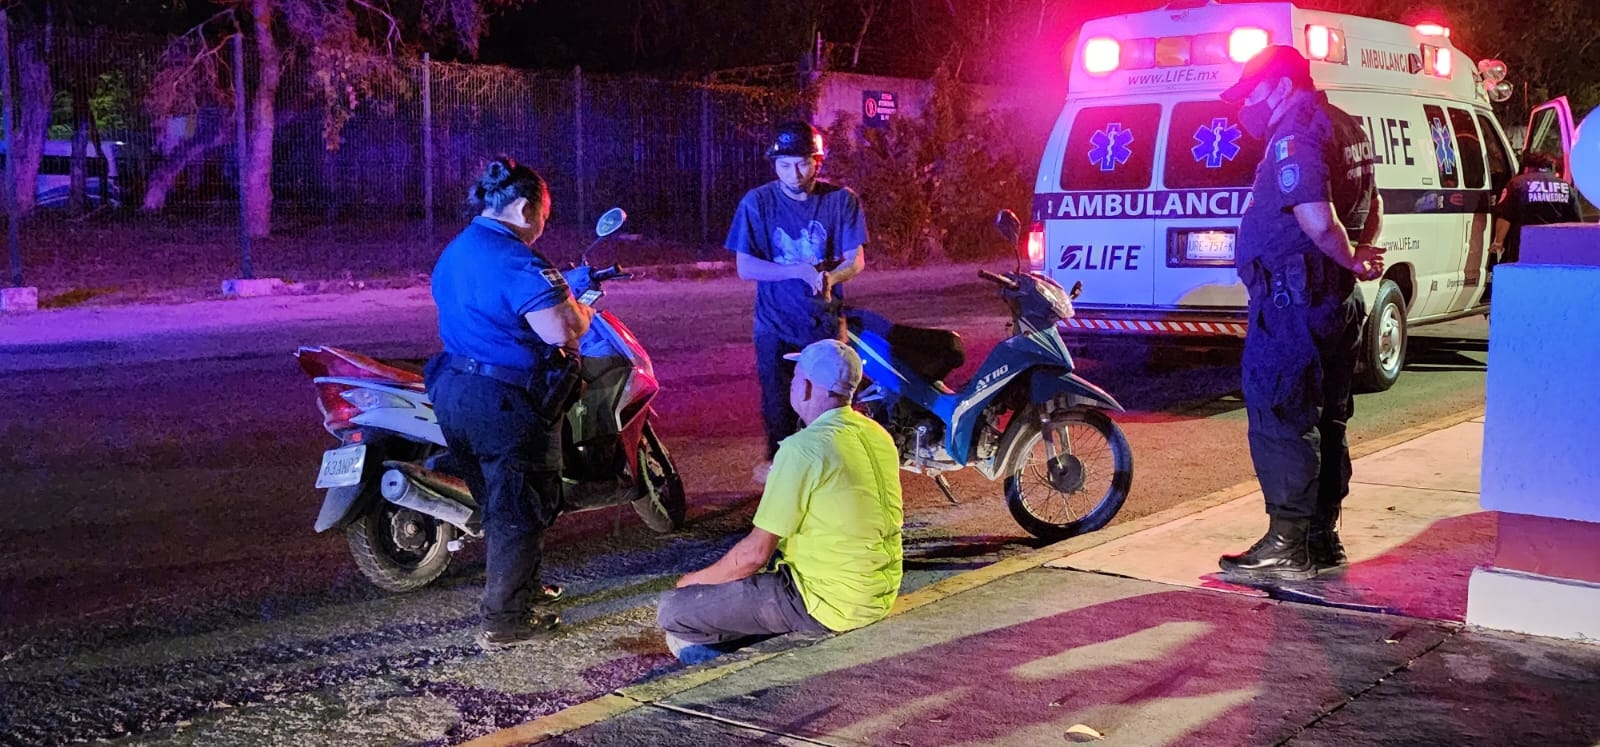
<point>1208,168</point>
<point>1097,224</point>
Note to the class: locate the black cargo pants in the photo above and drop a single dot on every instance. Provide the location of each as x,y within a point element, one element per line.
<point>511,460</point>
<point>1299,361</point>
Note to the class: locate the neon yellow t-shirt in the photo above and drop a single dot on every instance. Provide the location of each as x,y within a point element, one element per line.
<point>833,499</point>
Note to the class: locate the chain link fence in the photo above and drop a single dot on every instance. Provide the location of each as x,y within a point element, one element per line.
<point>401,149</point>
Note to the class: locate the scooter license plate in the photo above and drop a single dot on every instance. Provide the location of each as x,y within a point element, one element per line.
<point>341,467</point>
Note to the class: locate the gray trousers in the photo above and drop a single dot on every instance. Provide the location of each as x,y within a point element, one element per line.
<point>761,606</point>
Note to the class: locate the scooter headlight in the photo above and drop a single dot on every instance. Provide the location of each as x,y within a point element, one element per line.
<point>1053,294</point>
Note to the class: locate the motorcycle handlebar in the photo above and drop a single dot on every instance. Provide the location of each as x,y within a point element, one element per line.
<point>614,272</point>
<point>1000,280</point>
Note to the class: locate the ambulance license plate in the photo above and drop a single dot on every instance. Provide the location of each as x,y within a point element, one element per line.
<point>1209,246</point>
<point>341,467</point>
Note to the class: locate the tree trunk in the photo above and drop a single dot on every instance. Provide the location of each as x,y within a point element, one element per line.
<point>33,106</point>
<point>868,10</point>
<point>77,195</point>
<point>165,176</point>
<point>258,174</point>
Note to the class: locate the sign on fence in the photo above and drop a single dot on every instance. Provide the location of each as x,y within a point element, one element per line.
<point>877,107</point>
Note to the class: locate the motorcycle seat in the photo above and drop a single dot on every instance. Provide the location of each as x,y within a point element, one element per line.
<point>931,353</point>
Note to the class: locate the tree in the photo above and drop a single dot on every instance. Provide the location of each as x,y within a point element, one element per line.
<point>32,39</point>
<point>933,182</point>
<point>345,46</point>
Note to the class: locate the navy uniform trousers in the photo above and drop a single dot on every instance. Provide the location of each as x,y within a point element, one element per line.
<point>502,448</point>
<point>1299,360</point>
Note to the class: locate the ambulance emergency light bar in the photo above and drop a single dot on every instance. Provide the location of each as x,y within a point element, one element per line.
<point>1104,54</point>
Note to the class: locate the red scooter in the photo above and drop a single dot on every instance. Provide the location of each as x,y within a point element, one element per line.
<point>391,485</point>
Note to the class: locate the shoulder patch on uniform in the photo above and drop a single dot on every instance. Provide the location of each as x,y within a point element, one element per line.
<point>1288,177</point>
<point>1284,148</point>
<point>553,277</point>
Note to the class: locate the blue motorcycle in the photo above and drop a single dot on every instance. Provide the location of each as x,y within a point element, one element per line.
<point>1025,416</point>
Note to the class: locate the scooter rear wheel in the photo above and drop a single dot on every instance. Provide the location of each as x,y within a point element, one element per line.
<point>1082,488</point>
<point>398,549</point>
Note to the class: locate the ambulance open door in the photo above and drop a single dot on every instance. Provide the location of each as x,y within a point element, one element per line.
<point>1550,131</point>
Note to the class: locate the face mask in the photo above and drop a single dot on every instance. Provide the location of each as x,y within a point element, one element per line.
<point>1256,118</point>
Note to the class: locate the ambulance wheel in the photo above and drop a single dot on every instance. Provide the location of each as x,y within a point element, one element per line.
<point>1383,341</point>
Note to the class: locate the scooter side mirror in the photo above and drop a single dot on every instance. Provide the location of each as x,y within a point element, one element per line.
<point>1009,226</point>
<point>609,222</point>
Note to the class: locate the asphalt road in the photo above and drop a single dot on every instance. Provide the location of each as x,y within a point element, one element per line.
<point>160,581</point>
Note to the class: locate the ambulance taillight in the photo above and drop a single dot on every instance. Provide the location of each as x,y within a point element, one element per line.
<point>1032,247</point>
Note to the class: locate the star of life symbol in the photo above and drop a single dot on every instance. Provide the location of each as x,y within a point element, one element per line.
<point>1216,143</point>
<point>1111,146</point>
<point>1442,148</point>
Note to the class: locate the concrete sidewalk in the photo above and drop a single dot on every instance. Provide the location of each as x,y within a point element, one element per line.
<point>1127,637</point>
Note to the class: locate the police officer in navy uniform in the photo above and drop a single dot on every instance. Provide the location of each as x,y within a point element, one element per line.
<point>1303,243</point>
<point>1536,197</point>
<point>510,329</point>
<point>799,239</point>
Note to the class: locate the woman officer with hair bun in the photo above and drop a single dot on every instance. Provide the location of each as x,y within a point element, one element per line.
<point>510,329</point>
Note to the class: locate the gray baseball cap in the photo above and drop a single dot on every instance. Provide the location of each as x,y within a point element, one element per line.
<point>830,364</point>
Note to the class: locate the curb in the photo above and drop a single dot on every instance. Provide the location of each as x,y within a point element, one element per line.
<point>633,697</point>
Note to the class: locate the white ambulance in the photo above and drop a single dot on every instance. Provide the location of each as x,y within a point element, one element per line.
<point>1147,172</point>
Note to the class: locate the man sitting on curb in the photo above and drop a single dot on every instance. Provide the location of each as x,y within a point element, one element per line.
<point>831,511</point>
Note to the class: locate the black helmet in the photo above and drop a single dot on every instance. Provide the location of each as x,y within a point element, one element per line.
<point>796,139</point>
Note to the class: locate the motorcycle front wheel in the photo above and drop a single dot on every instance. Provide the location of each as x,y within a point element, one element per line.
<point>398,549</point>
<point>661,502</point>
<point>1082,488</point>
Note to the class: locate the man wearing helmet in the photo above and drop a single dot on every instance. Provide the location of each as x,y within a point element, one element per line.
<point>799,239</point>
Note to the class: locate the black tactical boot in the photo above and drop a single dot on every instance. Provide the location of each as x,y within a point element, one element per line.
<point>1280,555</point>
<point>1322,540</point>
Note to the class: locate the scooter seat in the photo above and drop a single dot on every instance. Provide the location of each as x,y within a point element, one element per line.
<point>932,353</point>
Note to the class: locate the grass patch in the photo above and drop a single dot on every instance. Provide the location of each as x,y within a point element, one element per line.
<point>75,297</point>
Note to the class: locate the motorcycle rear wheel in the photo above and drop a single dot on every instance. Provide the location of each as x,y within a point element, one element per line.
<point>1097,467</point>
<point>662,503</point>
<point>398,549</point>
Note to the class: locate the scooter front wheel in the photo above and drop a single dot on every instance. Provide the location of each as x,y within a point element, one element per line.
<point>662,503</point>
<point>1079,490</point>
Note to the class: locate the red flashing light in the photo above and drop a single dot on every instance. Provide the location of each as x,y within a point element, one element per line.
<point>1326,44</point>
<point>1318,41</point>
<point>1433,29</point>
<point>1246,42</point>
<point>1101,55</point>
<point>1032,248</point>
<point>1443,63</point>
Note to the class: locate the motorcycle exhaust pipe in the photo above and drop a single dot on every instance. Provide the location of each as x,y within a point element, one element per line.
<point>400,490</point>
